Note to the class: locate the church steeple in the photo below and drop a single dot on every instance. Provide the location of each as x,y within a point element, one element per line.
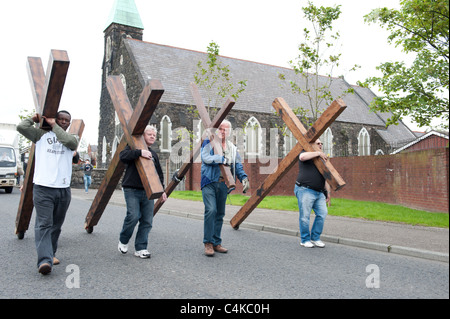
<point>125,12</point>
<point>123,22</point>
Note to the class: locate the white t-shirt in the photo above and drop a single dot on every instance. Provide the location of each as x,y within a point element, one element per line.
<point>53,162</point>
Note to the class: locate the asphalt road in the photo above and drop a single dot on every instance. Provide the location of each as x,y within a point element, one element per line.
<point>259,264</point>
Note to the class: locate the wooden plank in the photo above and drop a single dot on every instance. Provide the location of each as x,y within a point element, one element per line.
<point>58,66</point>
<point>220,116</point>
<point>147,104</point>
<point>106,189</point>
<point>133,124</point>
<point>225,170</point>
<point>147,171</point>
<point>36,76</point>
<point>77,127</point>
<point>293,123</point>
<point>26,204</point>
<point>325,120</point>
<point>266,187</point>
<point>145,107</point>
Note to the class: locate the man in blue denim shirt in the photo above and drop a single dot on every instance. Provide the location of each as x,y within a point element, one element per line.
<point>139,207</point>
<point>313,193</point>
<point>214,189</point>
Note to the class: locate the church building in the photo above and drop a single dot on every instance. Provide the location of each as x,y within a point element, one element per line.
<point>356,132</point>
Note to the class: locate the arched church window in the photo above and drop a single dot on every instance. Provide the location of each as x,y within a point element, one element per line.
<point>253,137</point>
<point>166,134</point>
<point>289,141</point>
<point>363,142</point>
<point>327,140</point>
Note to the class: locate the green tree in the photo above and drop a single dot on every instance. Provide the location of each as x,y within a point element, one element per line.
<point>215,78</point>
<point>316,61</point>
<point>419,27</point>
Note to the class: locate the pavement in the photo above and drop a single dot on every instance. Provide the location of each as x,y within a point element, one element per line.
<point>416,241</point>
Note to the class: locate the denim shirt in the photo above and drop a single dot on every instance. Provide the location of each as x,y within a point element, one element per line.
<point>210,171</point>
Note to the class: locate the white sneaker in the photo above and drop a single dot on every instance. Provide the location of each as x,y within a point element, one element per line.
<point>123,248</point>
<point>308,244</point>
<point>318,243</point>
<point>142,253</point>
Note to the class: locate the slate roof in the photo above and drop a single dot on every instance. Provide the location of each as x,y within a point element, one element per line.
<point>175,68</point>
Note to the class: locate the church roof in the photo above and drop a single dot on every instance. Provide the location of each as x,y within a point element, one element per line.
<point>125,12</point>
<point>175,68</point>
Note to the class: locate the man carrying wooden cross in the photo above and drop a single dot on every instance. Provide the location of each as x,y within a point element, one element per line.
<point>214,189</point>
<point>139,206</point>
<point>313,193</point>
<point>52,175</point>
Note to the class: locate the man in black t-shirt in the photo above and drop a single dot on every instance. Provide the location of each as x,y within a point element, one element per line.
<point>313,193</point>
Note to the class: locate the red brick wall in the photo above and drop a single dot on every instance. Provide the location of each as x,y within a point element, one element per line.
<point>415,179</point>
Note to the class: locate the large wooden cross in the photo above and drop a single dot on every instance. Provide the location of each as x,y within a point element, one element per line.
<point>209,128</point>
<point>47,91</point>
<point>304,139</point>
<point>133,124</point>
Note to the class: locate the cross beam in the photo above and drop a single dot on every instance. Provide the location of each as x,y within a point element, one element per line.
<point>47,91</point>
<point>304,139</point>
<point>225,170</point>
<point>133,124</point>
<point>220,116</point>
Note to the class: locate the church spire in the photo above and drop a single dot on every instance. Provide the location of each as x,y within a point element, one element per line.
<point>125,12</point>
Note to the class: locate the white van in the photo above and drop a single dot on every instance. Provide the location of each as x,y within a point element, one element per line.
<point>9,156</point>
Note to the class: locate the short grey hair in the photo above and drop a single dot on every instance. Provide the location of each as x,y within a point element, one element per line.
<point>227,122</point>
<point>151,128</point>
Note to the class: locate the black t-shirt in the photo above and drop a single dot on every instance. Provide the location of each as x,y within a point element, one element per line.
<point>131,177</point>
<point>309,175</point>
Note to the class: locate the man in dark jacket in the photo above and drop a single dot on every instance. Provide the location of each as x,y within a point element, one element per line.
<point>139,207</point>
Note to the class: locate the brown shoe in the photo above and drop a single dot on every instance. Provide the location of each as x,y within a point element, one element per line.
<point>45,269</point>
<point>209,251</point>
<point>220,249</point>
<point>55,261</point>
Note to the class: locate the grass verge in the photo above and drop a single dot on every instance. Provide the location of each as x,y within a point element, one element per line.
<point>341,207</point>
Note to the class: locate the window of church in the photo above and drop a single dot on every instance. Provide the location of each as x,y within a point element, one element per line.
<point>289,141</point>
<point>253,137</point>
<point>166,134</point>
<point>327,140</point>
<point>363,142</point>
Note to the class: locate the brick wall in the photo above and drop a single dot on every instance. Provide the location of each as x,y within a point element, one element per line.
<point>415,179</point>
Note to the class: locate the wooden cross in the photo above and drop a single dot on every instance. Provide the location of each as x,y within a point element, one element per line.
<point>207,124</point>
<point>304,139</point>
<point>133,124</point>
<point>47,90</point>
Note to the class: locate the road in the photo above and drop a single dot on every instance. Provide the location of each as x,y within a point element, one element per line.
<point>259,265</point>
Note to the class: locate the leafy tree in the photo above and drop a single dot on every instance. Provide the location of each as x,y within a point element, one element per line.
<point>316,61</point>
<point>419,27</point>
<point>215,78</point>
<point>24,143</point>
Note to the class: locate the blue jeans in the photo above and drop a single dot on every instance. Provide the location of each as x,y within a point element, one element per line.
<point>308,200</point>
<point>214,197</point>
<point>139,209</point>
<point>51,206</point>
<point>87,182</point>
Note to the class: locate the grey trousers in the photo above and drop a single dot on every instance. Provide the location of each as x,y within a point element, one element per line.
<point>51,206</point>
